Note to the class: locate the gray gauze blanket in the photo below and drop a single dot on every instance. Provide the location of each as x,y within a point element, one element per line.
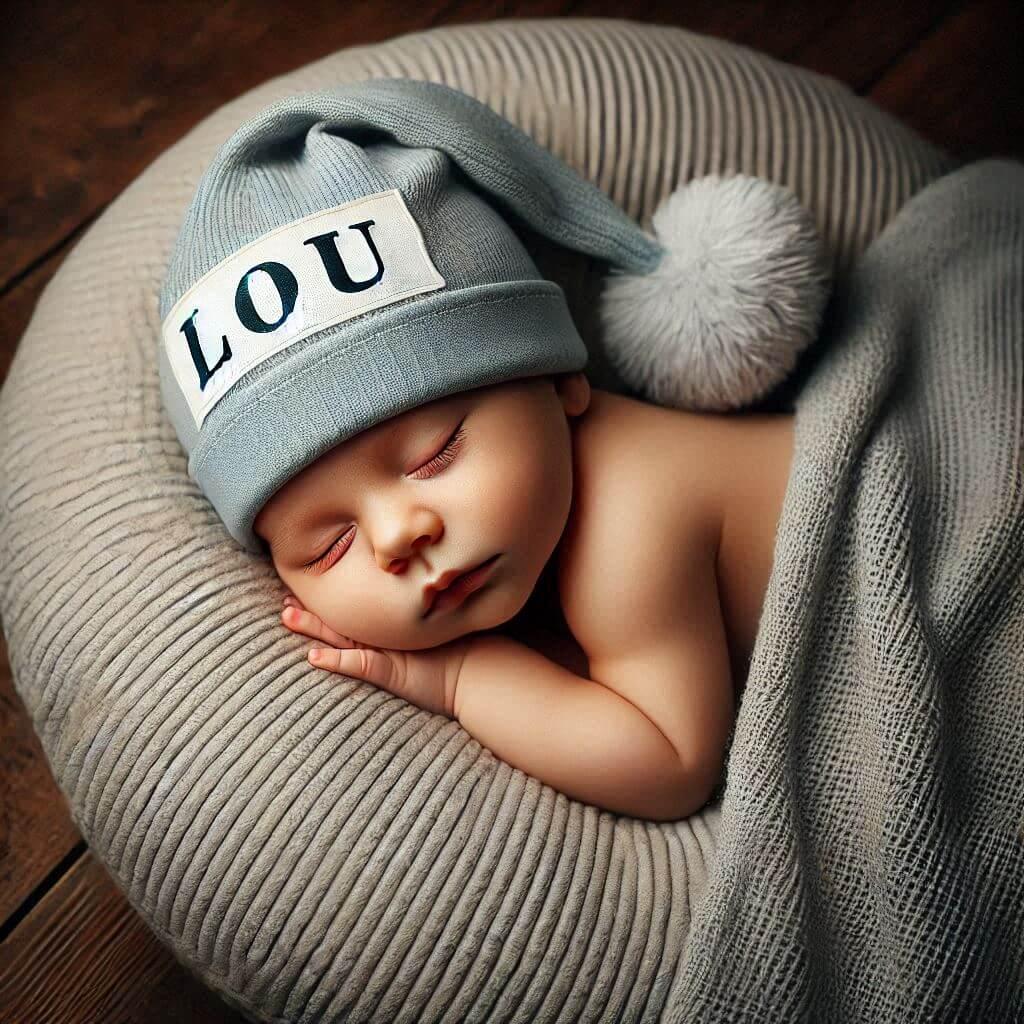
<point>871,859</point>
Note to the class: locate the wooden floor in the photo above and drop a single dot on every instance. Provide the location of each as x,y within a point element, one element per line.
<point>96,91</point>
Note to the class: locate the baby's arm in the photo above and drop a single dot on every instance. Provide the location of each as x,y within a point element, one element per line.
<point>573,733</point>
<point>646,734</point>
<point>639,588</point>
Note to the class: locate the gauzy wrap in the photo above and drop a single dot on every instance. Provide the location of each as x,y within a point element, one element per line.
<point>871,859</point>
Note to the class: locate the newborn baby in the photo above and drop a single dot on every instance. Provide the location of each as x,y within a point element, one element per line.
<point>407,545</point>
<point>375,384</point>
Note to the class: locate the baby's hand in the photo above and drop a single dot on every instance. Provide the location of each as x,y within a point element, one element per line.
<point>425,678</point>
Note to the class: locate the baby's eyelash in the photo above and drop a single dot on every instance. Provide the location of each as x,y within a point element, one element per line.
<point>446,454</point>
<point>311,566</point>
<point>444,457</point>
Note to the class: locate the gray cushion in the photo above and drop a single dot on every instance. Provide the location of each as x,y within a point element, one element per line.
<point>315,848</point>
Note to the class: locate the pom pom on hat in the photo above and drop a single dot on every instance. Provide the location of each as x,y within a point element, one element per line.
<point>737,296</point>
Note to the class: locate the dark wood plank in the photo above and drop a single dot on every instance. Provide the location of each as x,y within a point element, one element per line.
<point>963,85</point>
<point>36,831</point>
<point>83,954</point>
<point>865,39</point>
<point>108,88</point>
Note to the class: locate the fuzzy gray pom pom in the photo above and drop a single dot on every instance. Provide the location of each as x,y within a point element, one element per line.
<point>738,295</point>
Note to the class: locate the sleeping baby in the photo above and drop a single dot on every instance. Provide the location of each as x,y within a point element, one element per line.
<point>378,390</point>
<point>425,532</point>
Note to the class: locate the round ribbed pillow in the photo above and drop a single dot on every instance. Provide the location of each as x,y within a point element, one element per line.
<point>315,848</point>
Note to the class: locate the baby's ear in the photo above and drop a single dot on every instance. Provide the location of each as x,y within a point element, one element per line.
<point>265,549</point>
<point>574,391</point>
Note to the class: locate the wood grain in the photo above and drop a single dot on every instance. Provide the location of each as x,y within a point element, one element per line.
<point>83,954</point>
<point>963,85</point>
<point>36,832</point>
<point>88,125</point>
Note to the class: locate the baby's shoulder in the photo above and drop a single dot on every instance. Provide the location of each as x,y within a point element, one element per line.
<point>634,459</point>
<point>647,503</point>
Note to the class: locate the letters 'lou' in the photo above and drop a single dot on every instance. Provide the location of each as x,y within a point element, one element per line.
<point>287,286</point>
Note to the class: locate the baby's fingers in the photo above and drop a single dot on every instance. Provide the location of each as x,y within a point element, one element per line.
<point>301,621</point>
<point>367,663</point>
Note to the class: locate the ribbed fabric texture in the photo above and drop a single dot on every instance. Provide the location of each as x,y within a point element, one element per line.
<point>871,858</point>
<point>316,849</point>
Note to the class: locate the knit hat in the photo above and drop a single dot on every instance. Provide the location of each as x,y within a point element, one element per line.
<point>347,257</point>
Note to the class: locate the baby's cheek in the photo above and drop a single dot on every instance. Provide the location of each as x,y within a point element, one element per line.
<point>345,617</point>
<point>553,489</point>
<point>532,485</point>
<point>369,619</point>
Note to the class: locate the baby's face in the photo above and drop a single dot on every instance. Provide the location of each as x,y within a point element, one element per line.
<point>359,534</point>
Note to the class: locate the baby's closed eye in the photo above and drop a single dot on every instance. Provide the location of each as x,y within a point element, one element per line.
<point>333,554</point>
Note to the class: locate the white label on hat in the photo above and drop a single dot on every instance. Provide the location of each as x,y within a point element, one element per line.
<point>300,278</point>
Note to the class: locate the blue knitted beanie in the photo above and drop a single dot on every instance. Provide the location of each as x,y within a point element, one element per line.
<point>345,259</point>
